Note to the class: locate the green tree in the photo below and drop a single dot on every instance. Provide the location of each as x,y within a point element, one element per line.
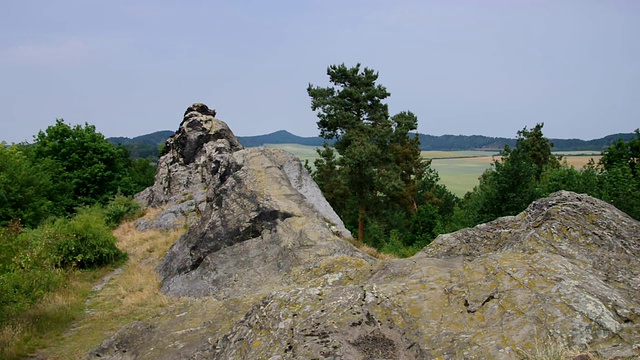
<point>513,181</point>
<point>24,188</point>
<point>91,168</point>
<point>379,160</point>
<point>327,176</point>
<point>619,178</point>
<point>623,153</point>
<point>534,147</point>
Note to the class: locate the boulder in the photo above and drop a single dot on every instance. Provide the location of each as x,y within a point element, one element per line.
<point>271,275</point>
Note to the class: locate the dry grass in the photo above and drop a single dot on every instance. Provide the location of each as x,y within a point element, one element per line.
<point>550,349</point>
<point>134,294</point>
<point>580,161</point>
<point>373,252</point>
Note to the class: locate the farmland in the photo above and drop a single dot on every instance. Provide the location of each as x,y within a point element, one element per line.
<point>458,170</point>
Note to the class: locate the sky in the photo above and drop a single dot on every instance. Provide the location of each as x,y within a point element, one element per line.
<point>484,67</point>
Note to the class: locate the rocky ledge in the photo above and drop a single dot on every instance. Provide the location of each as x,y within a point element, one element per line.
<point>272,275</point>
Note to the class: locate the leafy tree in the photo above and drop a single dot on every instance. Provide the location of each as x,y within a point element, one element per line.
<point>379,160</point>
<point>565,177</point>
<point>513,181</point>
<point>24,188</point>
<point>534,147</point>
<point>619,178</point>
<point>431,192</point>
<point>623,153</point>
<point>614,179</point>
<point>92,168</point>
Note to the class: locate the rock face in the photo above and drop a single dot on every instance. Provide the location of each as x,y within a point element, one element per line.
<point>270,276</point>
<point>263,217</point>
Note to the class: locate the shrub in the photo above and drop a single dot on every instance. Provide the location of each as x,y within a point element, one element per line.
<point>394,245</point>
<point>24,188</point>
<point>27,270</point>
<point>121,208</point>
<point>85,241</point>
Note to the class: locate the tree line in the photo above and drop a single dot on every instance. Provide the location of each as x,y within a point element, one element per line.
<point>371,172</point>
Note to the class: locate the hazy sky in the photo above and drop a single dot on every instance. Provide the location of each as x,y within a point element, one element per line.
<point>484,67</point>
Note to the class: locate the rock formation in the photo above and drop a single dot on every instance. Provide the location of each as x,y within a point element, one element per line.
<point>271,275</point>
<point>188,165</point>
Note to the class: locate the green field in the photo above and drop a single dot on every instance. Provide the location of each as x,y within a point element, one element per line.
<point>459,170</point>
<point>302,152</point>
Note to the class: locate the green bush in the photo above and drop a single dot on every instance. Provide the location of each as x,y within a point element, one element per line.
<point>396,246</point>
<point>27,269</point>
<point>36,262</point>
<point>24,188</point>
<point>121,208</point>
<point>85,241</point>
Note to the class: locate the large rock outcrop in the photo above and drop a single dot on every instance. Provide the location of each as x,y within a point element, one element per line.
<point>271,277</point>
<point>188,165</point>
<point>263,218</point>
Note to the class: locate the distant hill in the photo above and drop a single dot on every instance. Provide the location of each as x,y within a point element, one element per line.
<point>279,137</point>
<point>445,142</point>
<point>144,146</point>
<point>158,137</point>
<point>463,142</point>
<point>148,145</point>
<point>596,144</point>
<point>479,142</point>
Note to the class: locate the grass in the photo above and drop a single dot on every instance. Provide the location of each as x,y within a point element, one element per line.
<point>47,274</point>
<point>44,324</point>
<point>371,251</point>
<point>302,152</point>
<point>456,154</point>
<point>550,349</point>
<point>460,175</point>
<point>131,295</point>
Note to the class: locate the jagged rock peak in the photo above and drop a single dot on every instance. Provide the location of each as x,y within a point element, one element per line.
<point>198,128</point>
<point>201,109</point>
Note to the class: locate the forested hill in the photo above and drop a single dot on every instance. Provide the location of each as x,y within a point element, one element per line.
<point>144,146</point>
<point>479,142</point>
<point>158,137</point>
<point>148,145</point>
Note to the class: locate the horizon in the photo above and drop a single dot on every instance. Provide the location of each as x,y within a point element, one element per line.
<point>317,136</point>
<point>313,136</point>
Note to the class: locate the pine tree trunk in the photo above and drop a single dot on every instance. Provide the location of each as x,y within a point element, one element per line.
<point>361,224</point>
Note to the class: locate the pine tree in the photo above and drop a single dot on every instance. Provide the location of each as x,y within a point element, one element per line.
<point>379,159</point>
